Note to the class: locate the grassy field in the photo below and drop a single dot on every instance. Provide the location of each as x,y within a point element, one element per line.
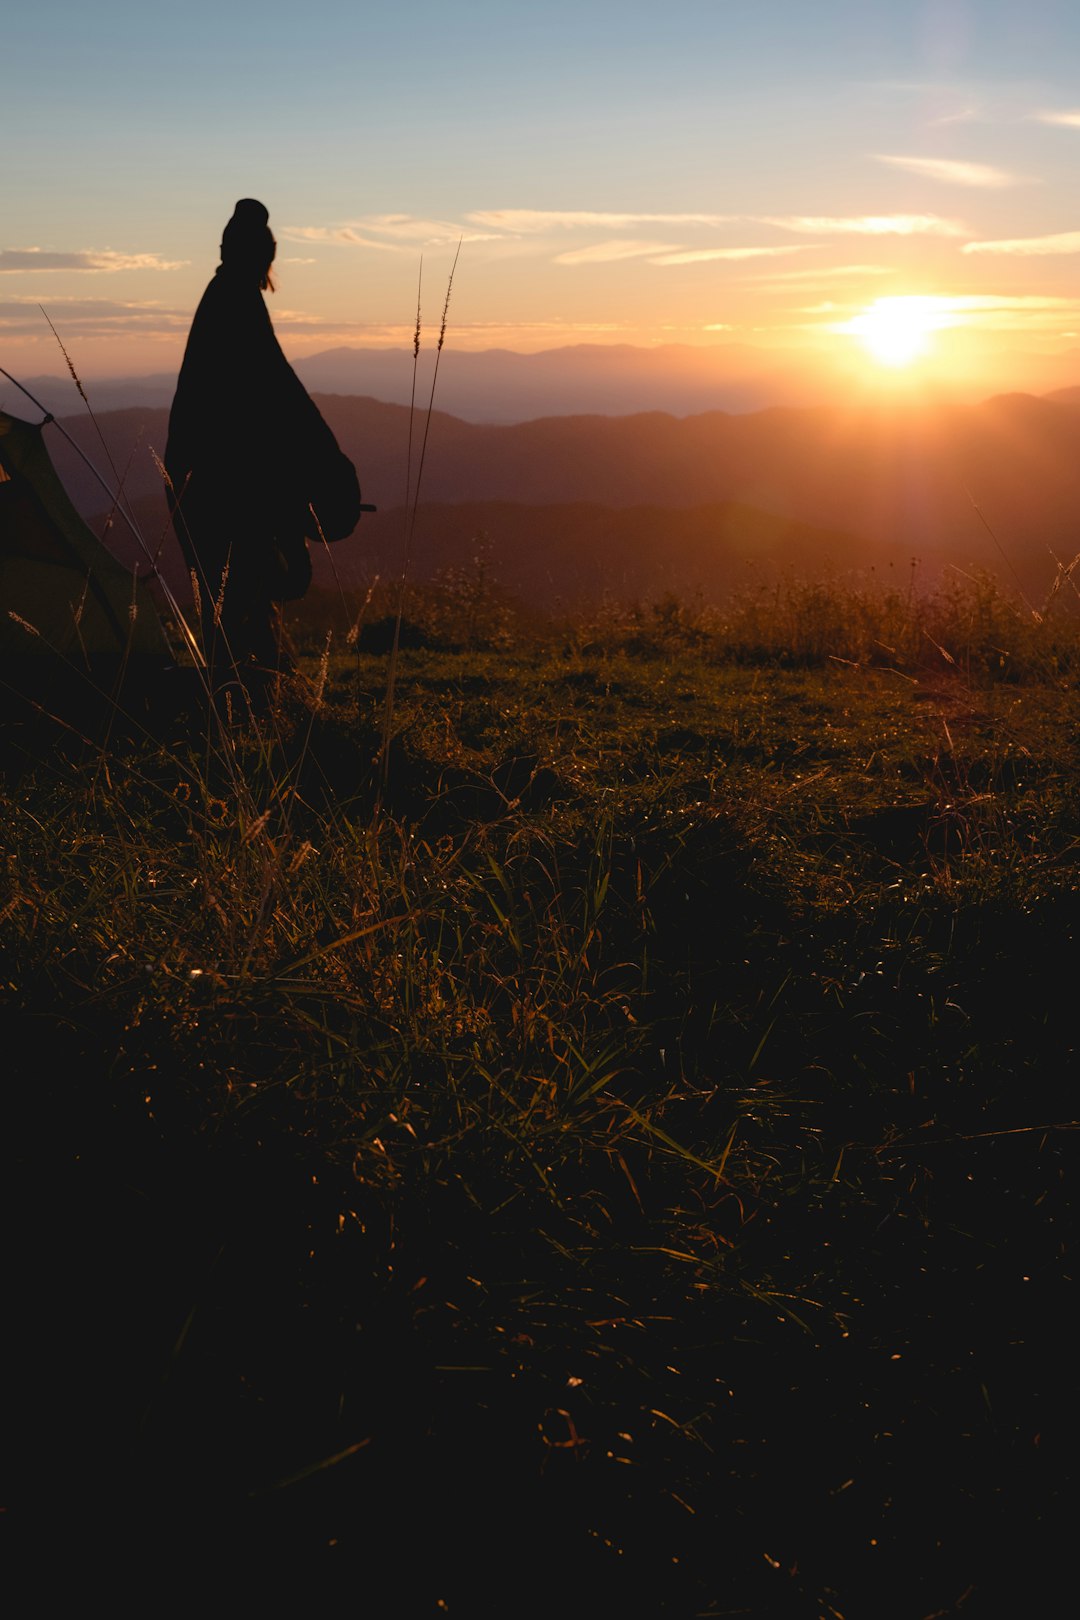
<point>620,1164</point>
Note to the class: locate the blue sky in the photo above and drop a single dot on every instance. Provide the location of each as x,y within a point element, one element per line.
<point>688,172</point>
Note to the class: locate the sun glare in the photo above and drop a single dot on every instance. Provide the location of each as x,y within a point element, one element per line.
<point>898,331</point>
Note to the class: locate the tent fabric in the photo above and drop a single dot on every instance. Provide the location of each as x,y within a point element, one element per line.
<point>61,591</point>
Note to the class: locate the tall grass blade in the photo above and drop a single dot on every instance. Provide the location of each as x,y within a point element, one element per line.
<point>411,510</point>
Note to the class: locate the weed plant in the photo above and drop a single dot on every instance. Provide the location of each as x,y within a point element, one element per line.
<point>967,626</point>
<point>968,623</point>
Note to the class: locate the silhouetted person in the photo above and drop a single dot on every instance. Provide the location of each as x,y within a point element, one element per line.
<point>247,452</point>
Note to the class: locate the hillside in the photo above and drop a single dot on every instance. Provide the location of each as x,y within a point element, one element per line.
<point>995,485</point>
<point>559,556</point>
<point>654,1105</point>
<point>500,385</point>
<point>609,379</point>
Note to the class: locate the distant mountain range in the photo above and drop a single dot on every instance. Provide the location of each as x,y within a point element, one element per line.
<point>568,501</point>
<point>499,386</point>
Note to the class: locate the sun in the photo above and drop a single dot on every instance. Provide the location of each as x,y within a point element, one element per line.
<point>898,331</point>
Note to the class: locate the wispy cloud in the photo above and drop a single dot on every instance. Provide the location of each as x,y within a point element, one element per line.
<point>819,273</point>
<point>1067,118</point>
<point>613,252</point>
<point>953,172</point>
<point>1010,301</point>
<point>406,228</point>
<point>867,225</point>
<point>668,253</point>
<point>389,233</point>
<point>944,101</point>
<point>90,317</point>
<point>1029,246</point>
<point>537,220</point>
<point>968,112</point>
<point>337,234</point>
<point>1005,313</point>
<point>467,334</point>
<point>15,260</point>
<point>984,311</point>
<point>703,255</point>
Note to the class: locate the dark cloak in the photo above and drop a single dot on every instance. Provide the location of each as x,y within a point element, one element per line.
<point>247,448</point>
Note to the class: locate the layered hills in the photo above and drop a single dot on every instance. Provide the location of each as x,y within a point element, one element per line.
<point>501,385</point>
<point>607,379</point>
<point>576,504</point>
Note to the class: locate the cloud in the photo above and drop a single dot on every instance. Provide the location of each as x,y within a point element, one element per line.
<point>829,273</point>
<point>953,173</point>
<point>702,255</point>
<point>533,220</point>
<point>983,311</point>
<point>64,308</point>
<point>1009,301</point>
<point>613,252</point>
<point>336,234</point>
<point>1013,314</point>
<point>399,231</point>
<point>21,259</point>
<point>85,318</point>
<point>867,225</point>
<point>405,228</point>
<point>956,101</point>
<point>389,233</point>
<point>90,317</point>
<point>969,112</point>
<point>1067,119</point>
<point>466,334</point>
<point>1029,246</point>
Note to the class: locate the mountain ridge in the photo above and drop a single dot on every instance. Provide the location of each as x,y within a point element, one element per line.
<point>993,486</point>
<point>501,385</point>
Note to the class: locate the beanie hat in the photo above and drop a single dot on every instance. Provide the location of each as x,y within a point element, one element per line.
<point>247,237</point>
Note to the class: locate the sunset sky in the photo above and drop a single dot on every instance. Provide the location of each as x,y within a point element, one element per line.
<point>701,171</point>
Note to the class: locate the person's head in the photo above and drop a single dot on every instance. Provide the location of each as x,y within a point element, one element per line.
<point>247,243</point>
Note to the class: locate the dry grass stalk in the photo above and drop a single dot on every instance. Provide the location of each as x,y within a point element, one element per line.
<point>411,509</point>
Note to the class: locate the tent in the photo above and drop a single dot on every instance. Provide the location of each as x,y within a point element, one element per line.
<point>68,608</point>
